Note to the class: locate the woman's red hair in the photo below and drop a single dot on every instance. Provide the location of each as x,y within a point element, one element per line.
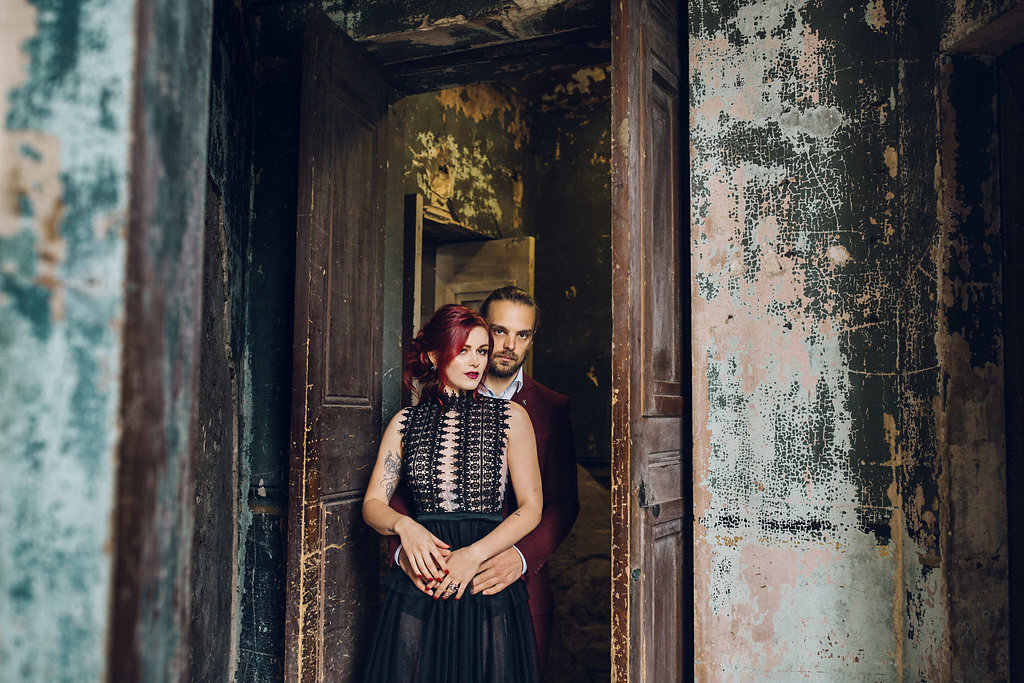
<point>444,335</point>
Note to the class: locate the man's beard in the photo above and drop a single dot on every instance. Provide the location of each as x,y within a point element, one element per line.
<point>498,371</point>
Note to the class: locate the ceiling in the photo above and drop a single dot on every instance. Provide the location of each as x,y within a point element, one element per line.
<point>431,44</point>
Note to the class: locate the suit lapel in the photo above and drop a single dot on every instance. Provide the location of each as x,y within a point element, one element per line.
<point>523,396</point>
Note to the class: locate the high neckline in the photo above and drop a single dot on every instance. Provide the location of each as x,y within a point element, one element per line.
<point>455,400</point>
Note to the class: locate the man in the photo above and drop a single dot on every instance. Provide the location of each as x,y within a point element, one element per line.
<point>512,314</point>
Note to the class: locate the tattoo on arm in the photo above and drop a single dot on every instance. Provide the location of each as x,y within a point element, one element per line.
<point>516,513</point>
<point>392,471</point>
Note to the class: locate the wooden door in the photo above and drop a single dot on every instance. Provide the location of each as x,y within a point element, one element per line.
<point>336,421</point>
<point>651,621</point>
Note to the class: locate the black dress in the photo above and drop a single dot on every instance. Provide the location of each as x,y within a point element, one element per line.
<point>454,462</point>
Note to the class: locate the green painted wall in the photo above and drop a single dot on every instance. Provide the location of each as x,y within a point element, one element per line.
<point>65,115</point>
<point>99,305</point>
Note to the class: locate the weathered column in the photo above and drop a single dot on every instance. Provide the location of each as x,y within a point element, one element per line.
<point>65,147</point>
<point>846,331</point>
<point>102,170</point>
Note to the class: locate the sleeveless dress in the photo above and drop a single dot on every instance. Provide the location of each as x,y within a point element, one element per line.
<point>454,462</point>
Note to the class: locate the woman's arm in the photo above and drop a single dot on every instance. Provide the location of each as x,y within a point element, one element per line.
<point>421,546</point>
<point>525,474</point>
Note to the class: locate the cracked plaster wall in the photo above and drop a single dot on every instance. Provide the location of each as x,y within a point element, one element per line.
<point>834,511</point>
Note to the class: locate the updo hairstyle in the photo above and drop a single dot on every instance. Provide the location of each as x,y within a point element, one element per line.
<point>445,335</point>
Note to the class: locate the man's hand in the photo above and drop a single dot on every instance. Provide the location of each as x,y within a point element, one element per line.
<point>424,584</point>
<point>498,573</point>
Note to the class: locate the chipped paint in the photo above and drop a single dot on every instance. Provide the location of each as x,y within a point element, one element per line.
<point>846,335</point>
<point>465,150</point>
<point>814,383</point>
<point>875,15</point>
<point>65,77</point>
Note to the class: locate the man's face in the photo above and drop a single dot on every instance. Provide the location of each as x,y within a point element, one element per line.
<point>512,326</point>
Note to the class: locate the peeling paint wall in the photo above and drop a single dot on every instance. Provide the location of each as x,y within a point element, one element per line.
<point>828,485</point>
<point>65,103</point>
<point>465,149</point>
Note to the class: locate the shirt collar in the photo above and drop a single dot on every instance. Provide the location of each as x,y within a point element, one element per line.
<point>510,390</point>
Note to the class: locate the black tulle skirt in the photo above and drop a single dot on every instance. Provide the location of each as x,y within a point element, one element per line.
<point>476,639</point>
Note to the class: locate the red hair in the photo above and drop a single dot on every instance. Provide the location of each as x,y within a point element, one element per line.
<point>444,335</point>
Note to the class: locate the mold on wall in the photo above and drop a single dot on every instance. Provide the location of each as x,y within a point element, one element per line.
<point>65,103</point>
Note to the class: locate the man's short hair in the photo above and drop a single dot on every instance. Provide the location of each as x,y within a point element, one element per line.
<point>513,294</point>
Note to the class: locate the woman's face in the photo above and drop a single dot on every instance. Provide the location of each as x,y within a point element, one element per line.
<point>467,368</point>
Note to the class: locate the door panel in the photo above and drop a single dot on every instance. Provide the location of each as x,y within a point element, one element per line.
<point>336,394</point>
<point>650,476</point>
<point>662,309</point>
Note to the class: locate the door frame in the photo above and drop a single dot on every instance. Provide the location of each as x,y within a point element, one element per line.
<point>622,618</point>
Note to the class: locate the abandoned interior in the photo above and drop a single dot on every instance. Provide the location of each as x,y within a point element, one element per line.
<point>798,423</point>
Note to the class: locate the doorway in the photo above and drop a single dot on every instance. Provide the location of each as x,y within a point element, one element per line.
<point>507,175</point>
<point>268,259</point>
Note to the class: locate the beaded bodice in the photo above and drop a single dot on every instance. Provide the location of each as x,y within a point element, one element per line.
<point>454,456</point>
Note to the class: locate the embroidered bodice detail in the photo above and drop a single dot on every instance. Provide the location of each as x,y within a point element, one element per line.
<point>454,455</point>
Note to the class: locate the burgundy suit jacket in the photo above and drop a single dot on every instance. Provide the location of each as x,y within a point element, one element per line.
<point>556,455</point>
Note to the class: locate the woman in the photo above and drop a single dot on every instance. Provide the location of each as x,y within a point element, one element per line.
<point>455,450</point>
